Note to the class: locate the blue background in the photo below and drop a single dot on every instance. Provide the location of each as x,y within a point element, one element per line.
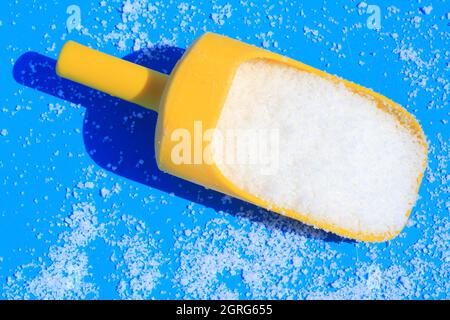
<point>85,213</point>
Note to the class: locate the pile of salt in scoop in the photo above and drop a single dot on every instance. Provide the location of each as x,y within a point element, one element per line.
<point>339,160</point>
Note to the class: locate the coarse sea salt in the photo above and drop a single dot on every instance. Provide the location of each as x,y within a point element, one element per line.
<point>342,160</point>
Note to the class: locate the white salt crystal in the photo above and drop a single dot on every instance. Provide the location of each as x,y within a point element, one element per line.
<point>342,160</point>
<point>297,261</point>
<point>104,193</point>
<point>89,185</point>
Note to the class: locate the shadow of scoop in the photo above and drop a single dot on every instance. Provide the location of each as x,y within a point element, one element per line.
<point>119,136</point>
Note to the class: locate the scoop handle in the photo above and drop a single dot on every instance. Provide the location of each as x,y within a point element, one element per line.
<point>111,75</point>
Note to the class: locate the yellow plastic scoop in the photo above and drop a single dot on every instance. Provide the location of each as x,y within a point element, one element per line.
<point>352,166</point>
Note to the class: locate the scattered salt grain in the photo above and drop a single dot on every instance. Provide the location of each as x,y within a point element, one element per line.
<point>104,193</point>
<point>426,10</point>
<point>362,5</point>
<point>222,13</point>
<point>89,185</point>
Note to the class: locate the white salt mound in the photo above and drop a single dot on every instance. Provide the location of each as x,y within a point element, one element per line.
<point>341,159</point>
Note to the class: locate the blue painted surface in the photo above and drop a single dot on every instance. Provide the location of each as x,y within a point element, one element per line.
<point>85,213</point>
